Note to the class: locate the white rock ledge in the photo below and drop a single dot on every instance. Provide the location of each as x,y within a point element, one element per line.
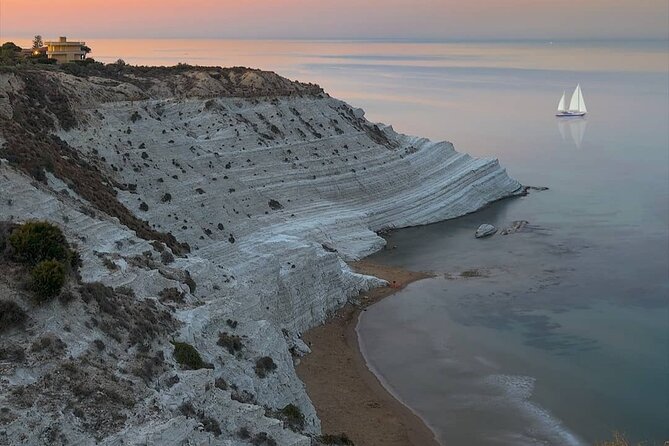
<point>223,160</point>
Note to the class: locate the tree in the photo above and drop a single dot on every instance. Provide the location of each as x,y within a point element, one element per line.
<point>85,49</point>
<point>10,46</point>
<point>37,42</point>
<point>9,53</point>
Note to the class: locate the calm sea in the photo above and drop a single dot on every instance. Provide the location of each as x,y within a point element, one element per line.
<point>563,335</point>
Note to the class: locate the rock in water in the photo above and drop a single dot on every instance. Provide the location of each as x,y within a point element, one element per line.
<point>516,226</point>
<point>485,230</point>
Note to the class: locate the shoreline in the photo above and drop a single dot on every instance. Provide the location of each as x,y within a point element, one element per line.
<point>349,398</point>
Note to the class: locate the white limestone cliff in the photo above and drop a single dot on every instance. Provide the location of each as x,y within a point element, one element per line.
<point>273,193</point>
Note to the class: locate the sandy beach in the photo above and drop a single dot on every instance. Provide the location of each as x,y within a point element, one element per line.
<point>347,395</point>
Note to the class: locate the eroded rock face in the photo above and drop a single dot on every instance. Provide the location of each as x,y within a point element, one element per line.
<point>272,185</point>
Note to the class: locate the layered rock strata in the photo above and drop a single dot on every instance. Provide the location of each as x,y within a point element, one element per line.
<point>241,192</point>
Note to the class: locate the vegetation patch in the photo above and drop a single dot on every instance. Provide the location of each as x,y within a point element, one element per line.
<point>232,343</point>
<point>47,279</point>
<point>31,147</point>
<point>190,282</point>
<point>35,241</point>
<point>189,358</point>
<point>264,366</point>
<point>149,367</point>
<point>125,318</point>
<point>12,353</point>
<point>11,315</point>
<point>275,205</point>
<point>86,387</point>
<point>171,295</point>
<point>208,423</point>
<point>291,415</point>
<point>242,396</point>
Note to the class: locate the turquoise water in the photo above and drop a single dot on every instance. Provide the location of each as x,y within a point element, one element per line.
<point>564,337</point>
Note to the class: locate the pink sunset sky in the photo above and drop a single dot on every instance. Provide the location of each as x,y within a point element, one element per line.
<point>348,19</point>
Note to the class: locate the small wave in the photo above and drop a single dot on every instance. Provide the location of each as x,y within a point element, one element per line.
<point>514,386</point>
<point>544,428</point>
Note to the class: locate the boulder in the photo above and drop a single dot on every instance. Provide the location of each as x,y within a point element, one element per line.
<point>485,230</point>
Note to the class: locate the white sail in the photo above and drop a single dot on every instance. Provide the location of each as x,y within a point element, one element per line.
<point>582,108</point>
<point>561,106</point>
<point>577,104</point>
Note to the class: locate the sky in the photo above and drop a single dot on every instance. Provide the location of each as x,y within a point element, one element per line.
<point>342,19</point>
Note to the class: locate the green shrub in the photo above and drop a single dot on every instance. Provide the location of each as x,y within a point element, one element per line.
<point>11,314</point>
<point>35,241</point>
<point>264,366</point>
<point>187,356</point>
<point>47,279</point>
<point>293,417</point>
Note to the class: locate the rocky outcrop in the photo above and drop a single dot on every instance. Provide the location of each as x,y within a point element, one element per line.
<point>271,185</point>
<point>485,230</point>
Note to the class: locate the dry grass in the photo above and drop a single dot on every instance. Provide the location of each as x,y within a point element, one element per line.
<point>618,440</point>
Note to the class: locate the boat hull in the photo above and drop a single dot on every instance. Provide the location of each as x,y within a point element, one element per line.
<point>568,114</point>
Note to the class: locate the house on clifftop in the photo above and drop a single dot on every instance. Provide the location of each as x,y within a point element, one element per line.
<point>63,51</point>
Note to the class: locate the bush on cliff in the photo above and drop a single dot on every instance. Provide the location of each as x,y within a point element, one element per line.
<point>293,417</point>
<point>35,241</point>
<point>232,343</point>
<point>187,356</point>
<point>47,279</point>
<point>264,366</point>
<point>11,314</point>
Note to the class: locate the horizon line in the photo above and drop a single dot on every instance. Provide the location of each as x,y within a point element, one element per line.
<point>369,39</point>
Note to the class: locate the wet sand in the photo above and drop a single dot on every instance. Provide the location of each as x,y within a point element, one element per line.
<point>348,397</point>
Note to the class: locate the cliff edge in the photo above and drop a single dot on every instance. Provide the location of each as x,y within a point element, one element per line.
<point>221,203</point>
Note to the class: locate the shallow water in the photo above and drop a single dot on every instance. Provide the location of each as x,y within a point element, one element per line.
<point>564,336</point>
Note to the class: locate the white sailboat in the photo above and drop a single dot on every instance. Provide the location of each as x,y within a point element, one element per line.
<point>576,105</point>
